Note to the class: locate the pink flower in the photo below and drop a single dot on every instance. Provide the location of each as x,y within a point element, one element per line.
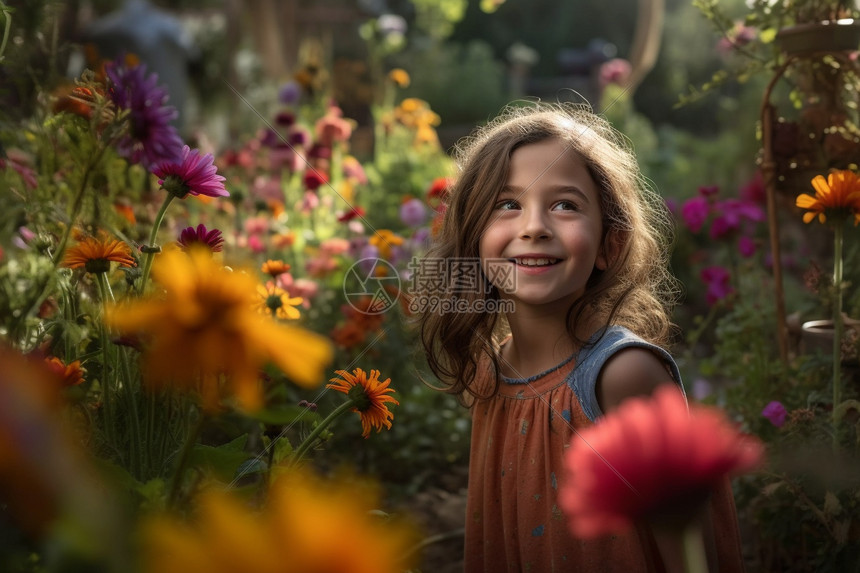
<point>775,412</point>
<point>695,212</point>
<point>191,174</point>
<point>708,190</point>
<point>718,281</point>
<point>256,244</point>
<point>332,127</point>
<point>615,71</point>
<point>334,246</point>
<point>256,225</point>
<point>649,456</point>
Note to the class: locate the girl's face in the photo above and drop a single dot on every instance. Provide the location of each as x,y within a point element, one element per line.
<point>543,239</point>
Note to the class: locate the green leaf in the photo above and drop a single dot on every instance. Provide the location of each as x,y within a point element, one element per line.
<point>221,461</point>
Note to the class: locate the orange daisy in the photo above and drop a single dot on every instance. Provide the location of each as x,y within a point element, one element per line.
<point>370,396</point>
<point>70,374</point>
<point>837,197</point>
<point>275,268</point>
<point>278,303</point>
<point>95,254</point>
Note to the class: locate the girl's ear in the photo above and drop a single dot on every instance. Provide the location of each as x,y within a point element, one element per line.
<point>613,244</point>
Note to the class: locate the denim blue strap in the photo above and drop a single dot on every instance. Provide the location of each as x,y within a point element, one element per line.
<point>593,356</point>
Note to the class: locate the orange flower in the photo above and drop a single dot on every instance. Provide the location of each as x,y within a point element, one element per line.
<point>205,326</point>
<point>71,374</point>
<point>275,268</point>
<point>837,197</point>
<point>383,240</point>
<point>96,253</point>
<point>649,456</point>
<point>400,77</point>
<point>371,396</point>
<point>307,525</point>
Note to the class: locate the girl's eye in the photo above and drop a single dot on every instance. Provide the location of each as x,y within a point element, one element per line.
<point>565,206</point>
<point>507,204</point>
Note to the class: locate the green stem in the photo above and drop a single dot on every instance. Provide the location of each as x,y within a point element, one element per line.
<point>153,234</point>
<point>185,454</point>
<point>695,560</point>
<point>107,387</point>
<point>308,442</point>
<point>135,445</point>
<point>837,326</point>
<point>7,28</point>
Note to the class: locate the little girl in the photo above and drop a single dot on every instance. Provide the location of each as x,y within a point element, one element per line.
<point>550,205</point>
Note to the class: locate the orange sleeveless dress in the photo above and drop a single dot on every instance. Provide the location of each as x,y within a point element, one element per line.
<point>513,521</point>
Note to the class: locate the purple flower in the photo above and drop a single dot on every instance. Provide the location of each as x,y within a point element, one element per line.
<point>775,412</point>
<point>191,174</point>
<point>413,212</point>
<point>290,93</point>
<point>152,138</point>
<point>746,247</point>
<point>708,190</point>
<point>718,281</point>
<point>695,212</point>
<point>201,236</point>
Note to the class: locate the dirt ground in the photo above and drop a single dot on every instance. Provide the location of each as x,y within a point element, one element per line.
<point>440,513</point>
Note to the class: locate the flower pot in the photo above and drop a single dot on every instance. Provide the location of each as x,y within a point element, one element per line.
<point>817,337</point>
<point>833,36</point>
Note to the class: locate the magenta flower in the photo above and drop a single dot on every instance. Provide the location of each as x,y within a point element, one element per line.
<point>746,247</point>
<point>732,214</point>
<point>718,281</point>
<point>708,190</point>
<point>695,212</point>
<point>775,412</point>
<point>152,138</point>
<point>192,174</point>
<point>212,239</point>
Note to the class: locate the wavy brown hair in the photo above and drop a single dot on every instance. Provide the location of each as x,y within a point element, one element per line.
<point>636,289</point>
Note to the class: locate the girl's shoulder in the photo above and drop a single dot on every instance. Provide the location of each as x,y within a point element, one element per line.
<point>605,345</point>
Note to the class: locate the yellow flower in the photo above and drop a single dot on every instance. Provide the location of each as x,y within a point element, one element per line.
<point>205,326</point>
<point>307,525</point>
<point>383,240</point>
<point>371,395</point>
<point>837,197</point>
<point>276,302</point>
<point>400,77</point>
<point>95,254</point>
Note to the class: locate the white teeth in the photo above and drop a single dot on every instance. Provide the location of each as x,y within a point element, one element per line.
<point>536,262</point>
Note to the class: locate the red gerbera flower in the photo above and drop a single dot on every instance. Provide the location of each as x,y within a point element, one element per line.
<point>353,213</point>
<point>313,179</point>
<point>649,456</point>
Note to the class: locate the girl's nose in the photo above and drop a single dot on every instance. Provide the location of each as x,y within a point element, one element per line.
<point>535,226</point>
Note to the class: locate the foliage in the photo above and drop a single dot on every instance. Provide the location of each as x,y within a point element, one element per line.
<point>155,430</point>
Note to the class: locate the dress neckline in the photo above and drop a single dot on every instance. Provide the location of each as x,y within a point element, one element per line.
<point>589,343</point>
